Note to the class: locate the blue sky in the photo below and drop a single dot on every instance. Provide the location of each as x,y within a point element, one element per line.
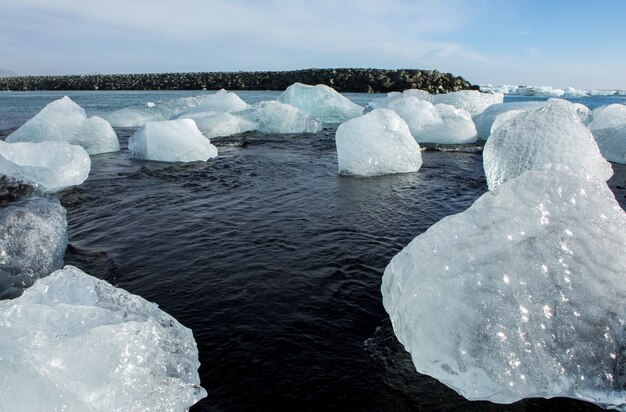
<point>557,43</point>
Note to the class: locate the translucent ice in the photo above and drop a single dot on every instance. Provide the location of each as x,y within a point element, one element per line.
<point>75,343</point>
<point>549,135</point>
<point>321,102</point>
<point>473,101</point>
<point>376,143</point>
<point>51,166</point>
<point>540,91</point>
<point>33,237</point>
<point>485,120</point>
<point>609,129</point>
<point>222,101</point>
<point>275,117</point>
<point>218,124</point>
<point>504,117</point>
<point>171,141</point>
<point>522,295</point>
<point>439,123</point>
<point>65,121</point>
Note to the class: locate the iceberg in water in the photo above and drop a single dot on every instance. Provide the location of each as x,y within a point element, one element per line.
<point>473,101</point>
<point>219,124</point>
<point>75,343</point>
<point>276,117</point>
<point>65,121</point>
<point>321,102</point>
<point>439,123</point>
<point>484,120</point>
<point>376,143</point>
<point>171,141</point>
<point>535,139</point>
<point>51,166</point>
<point>522,295</point>
<point>222,101</point>
<point>609,129</point>
<point>33,236</point>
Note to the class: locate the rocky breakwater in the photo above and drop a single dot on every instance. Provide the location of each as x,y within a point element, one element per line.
<point>343,80</point>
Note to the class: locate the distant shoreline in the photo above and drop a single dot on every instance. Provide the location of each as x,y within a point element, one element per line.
<point>342,80</point>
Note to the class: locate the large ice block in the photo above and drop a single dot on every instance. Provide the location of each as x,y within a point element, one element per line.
<point>321,102</point>
<point>522,295</point>
<point>280,118</point>
<point>220,124</point>
<point>609,129</point>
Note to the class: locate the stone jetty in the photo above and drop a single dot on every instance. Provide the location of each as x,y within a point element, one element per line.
<point>342,80</point>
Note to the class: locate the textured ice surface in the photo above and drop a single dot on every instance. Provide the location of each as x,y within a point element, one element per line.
<point>383,102</point>
<point>321,102</point>
<point>135,116</point>
<point>522,295</point>
<point>276,117</point>
<point>65,121</point>
<point>540,91</point>
<point>609,129</point>
<point>549,135</point>
<point>171,141</point>
<point>218,124</point>
<point>485,120</point>
<point>376,143</point>
<point>439,123</point>
<point>504,117</point>
<point>74,343</point>
<point>473,101</point>
<point>52,166</point>
<point>222,101</point>
<point>33,237</point>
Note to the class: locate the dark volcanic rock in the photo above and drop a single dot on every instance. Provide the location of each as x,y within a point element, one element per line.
<point>342,80</point>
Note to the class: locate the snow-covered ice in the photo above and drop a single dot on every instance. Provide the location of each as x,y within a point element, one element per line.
<point>439,123</point>
<point>171,141</point>
<point>219,124</point>
<point>485,120</point>
<point>276,117</point>
<point>522,295</point>
<point>51,166</point>
<point>33,237</point>
<point>65,121</point>
<point>608,126</point>
<point>549,135</point>
<point>321,102</point>
<point>376,143</point>
<point>75,343</point>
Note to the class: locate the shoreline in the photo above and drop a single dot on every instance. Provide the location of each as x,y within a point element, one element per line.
<point>342,80</point>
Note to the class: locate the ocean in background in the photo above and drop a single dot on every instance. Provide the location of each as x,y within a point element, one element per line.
<point>272,259</point>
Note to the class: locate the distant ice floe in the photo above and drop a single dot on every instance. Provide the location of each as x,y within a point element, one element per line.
<point>321,102</point>
<point>376,143</point>
<point>544,91</point>
<point>280,118</point>
<point>473,101</point>
<point>608,126</point>
<point>51,166</point>
<point>440,123</point>
<point>75,343</point>
<point>171,141</point>
<point>536,139</point>
<point>33,236</point>
<point>65,121</point>
<point>522,294</point>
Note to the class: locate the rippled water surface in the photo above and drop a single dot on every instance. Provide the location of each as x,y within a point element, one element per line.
<point>272,259</point>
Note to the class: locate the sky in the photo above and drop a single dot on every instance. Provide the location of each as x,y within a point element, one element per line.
<point>522,42</point>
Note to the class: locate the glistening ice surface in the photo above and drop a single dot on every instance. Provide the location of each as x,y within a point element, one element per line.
<point>521,295</point>
<point>72,342</point>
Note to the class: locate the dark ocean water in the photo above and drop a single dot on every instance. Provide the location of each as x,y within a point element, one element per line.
<point>272,259</point>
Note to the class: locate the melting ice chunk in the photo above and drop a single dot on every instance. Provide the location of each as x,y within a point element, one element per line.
<point>219,124</point>
<point>276,117</point>
<point>171,141</point>
<point>321,102</point>
<point>72,342</point>
<point>484,120</point>
<point>51,166</point>
<point>376,143</point>
<point>222,101</point>
<point>473,101</point>
<point>522,295</point>
<point>65,121</point>
<point>609,129</point>
<point>439,123</point>
<point>552,134</point>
